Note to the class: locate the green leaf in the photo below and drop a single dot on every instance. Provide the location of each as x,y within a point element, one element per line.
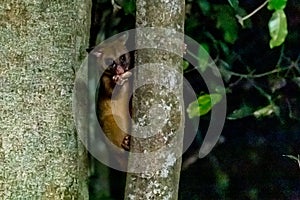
<point>203,104</point>
<point>243,111</point>
<point>204,6</point>
<point>276,4</point>
<point>234,4</point>
<point>277,28</point>
<point>276,83</point>
<point>267,111</point>
<point>185,65</point>
<point>203,58</point>
<point>226,21</point>
<point>129,7</point>
<point>222,181</point>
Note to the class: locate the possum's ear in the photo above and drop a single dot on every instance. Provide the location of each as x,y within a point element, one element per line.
<point>123,38</point>
<point>98,53</point>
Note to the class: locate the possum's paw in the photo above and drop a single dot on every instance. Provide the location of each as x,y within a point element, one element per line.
<point>126,143</point>
<point>121,79</point>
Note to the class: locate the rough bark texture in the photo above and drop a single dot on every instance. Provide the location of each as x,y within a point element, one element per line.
<point>162,169</point>
<point>41,41</point>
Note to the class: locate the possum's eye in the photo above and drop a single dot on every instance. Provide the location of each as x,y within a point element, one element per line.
<point>122,58</point>
<point>109,62</point>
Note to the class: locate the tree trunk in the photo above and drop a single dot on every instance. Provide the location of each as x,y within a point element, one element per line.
<point>41,43</point>
<point>154,161</point>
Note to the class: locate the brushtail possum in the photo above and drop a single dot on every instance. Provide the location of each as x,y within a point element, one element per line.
<point>114,91</point>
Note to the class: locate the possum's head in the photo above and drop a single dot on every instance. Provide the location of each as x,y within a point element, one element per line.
<point>113,56</point>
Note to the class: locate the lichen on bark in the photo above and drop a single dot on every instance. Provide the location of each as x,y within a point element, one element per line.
<point>157,105</point>
<point>41,41</point>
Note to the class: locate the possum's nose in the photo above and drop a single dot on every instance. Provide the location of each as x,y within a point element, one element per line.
<point>119,70</point>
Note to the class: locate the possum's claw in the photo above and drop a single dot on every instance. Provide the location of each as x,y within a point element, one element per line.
<point>126,143</point>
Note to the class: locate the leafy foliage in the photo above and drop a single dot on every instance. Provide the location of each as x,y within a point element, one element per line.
<point>243,111</point>
<point>226,21</point>
<point>129,7</point>
<point>234,4</point>
<point>266,111</point>
<point>277,28</point>
<point>203,105</point>
<point>277,23</point>
<point>277,4</point>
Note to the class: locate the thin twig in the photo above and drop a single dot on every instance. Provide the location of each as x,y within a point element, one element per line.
<point>242,19</point>
<point>261,91</point>
<point>258,75</point>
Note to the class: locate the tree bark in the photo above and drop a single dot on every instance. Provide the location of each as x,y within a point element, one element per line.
<point>159,103</point>
<point>41,44</point>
